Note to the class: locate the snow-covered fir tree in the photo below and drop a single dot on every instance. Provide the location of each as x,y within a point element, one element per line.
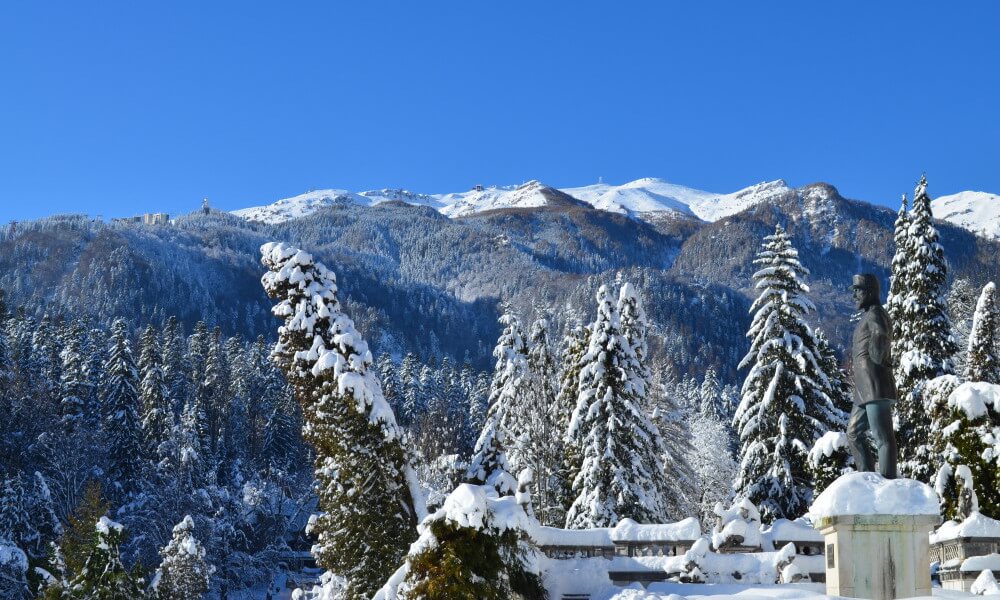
<point>183,574</point>
<point>899,281</point>
<point>543,447</point>
<point>784,407</point>
<point>961,302</point>
<point>839,386</point>
<point>367,489</point>
<point>74,384</point>
<point>923,323</point>
<point>104,576</point>
<point>489,464</point>
<point>679,501</point>
<point>572,351</point>
<point>157,412</point>
<point>622,471</point>
<point>983,355</point>
<point>122,426</point>
<point>965,418</point>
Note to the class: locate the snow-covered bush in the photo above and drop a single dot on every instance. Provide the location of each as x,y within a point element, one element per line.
<point>739,525</point>
<point>475,546</point>
<point>13,571</point>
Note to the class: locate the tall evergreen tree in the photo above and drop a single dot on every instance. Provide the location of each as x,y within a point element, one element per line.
<point>157,412</point>
<point>982,358</point>
<point>900,281</point>
<point>839,386</point>
<point>75,386</point>
<point>543,443</point>
<point>621,473</point>
<point>174,371</point>
<point>930,347</point>
<point>367,490</point>
<point>572,351</point>
<point>122,426</point>
<point>784,407</point>
<point>489,464</point>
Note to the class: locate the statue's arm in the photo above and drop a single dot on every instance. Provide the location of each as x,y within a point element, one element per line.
<point>879,342</point>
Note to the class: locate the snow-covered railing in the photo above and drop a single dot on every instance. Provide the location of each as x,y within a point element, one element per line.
<point>965,549</point>
<point>628,538</point>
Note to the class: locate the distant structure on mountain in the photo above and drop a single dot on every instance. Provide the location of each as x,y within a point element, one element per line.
<point>205,207</point>
<point>146,219</point>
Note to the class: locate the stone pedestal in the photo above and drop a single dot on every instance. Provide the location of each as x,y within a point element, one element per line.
<point>877,556</point>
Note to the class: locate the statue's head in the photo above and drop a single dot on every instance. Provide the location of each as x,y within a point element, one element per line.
<point>866,290</point>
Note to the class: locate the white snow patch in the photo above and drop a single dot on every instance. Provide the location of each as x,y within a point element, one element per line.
<point>872,494</point>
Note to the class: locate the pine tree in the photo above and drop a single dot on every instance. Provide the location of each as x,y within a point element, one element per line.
<point>172,353</point>
<point>930,347</point>
<point>157,414</point>
<point>367,490</point>
<point>621,473</point>
<point>572,351</point>
<point>489,464</point>
<point>672,463</point>
<point>391,382</point>
<point>78,537</point>
<point>839,386</point>
<point>122,426</point>
<point>900,282</point>
<point>982,359</point>
<point>544,436</point>
<point>961,302</point>
<point>412,397</point>
<point>73,382</point>
<point>184,574</point>
<point>784,407</point>
<point>103,576</point>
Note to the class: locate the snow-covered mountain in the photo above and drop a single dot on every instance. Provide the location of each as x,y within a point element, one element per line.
<point>306,204</point>
<point>647,198</point>
<point>532,194</point>
<point>976,211</point>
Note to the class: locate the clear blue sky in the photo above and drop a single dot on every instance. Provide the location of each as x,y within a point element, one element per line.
<point>117,108</point>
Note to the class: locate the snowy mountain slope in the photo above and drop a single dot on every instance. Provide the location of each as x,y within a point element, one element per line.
<point>301,205</point>
<point>978,212</point>
<point>641,196</point>
<point>306,204</point>
<point>646,198</point>
<point>532,194</point>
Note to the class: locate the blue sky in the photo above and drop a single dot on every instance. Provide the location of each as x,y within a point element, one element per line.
<point>116,108</point>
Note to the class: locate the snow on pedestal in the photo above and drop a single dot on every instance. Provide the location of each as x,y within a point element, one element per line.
<point>876,532</point>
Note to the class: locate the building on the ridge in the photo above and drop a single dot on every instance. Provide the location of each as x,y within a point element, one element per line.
<point>156,218</point>
<point>204,206</point>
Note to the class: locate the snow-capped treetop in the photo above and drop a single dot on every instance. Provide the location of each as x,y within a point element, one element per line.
<point>872,494</point>
<point>479,506</point>
<point>311,309</point>
<point>975,399</point>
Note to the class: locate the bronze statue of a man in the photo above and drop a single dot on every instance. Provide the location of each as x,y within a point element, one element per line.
<point>874,386</point>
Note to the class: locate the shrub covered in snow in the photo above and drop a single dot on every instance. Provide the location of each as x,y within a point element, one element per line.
<point>475,546</point>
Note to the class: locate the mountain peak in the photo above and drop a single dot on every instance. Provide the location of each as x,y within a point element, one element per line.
<point>978,212</point>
